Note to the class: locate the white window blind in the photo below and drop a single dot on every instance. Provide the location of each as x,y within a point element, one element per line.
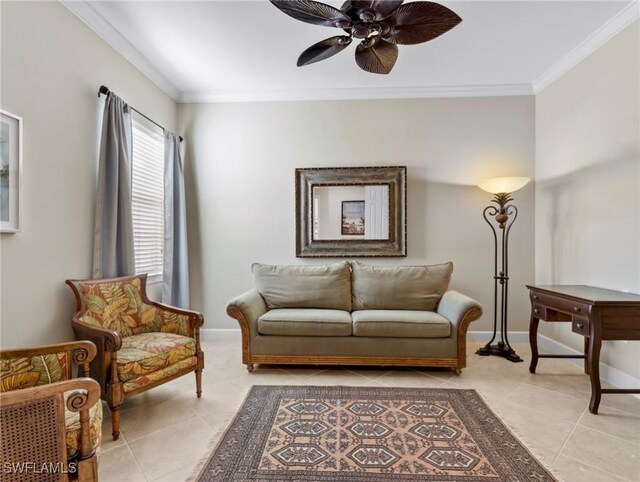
<point>148,196</point>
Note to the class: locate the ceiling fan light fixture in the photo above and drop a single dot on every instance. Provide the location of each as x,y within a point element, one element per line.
<point>367,16</point>
<point>404,24</point>
<point>361,30</point>
<point>368,42</point>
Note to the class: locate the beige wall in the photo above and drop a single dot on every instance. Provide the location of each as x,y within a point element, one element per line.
<point>52,66</point>
<point>588,181</point>
<point>240,182</point>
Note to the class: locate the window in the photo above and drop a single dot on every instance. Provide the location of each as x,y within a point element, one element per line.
<point>148,196</point>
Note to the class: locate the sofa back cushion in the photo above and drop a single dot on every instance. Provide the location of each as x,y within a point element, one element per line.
<point>399,288</point>
<point>327,287</point>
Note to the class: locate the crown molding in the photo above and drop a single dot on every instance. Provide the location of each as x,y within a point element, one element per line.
<point>598,38</point>
<point>87,13</point>
<point>359,93</point>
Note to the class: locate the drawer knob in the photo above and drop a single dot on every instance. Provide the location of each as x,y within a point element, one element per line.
<point>536,311</point>
<point>535,297</point>
<point>576,309</point>
<point>579,324</point>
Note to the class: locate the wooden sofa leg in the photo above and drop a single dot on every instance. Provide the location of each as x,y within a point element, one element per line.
<point>250,367</point>
<point>199,382</point>
<point>457,371</point>
<point>115,422</point>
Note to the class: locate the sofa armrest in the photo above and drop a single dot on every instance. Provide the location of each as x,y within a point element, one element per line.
<point>81,353</point>
<point>459,309</point>
<point>109,340</point>
<point>195,319</point>
<point>246,309</point>
<point>107,343</point>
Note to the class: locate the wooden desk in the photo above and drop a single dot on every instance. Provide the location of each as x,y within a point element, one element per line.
<point>596,314</point>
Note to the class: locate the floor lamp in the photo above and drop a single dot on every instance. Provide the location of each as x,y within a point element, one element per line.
<point>502,215</point>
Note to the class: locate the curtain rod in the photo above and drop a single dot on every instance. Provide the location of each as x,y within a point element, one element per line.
<point>105,90</point>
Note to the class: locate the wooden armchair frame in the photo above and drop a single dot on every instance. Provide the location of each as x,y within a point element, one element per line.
<point>33,419</point>
<point>104,368</point>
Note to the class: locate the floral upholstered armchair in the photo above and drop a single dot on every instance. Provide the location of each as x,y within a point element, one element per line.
<point>141,343</point>
<point>51,423</point>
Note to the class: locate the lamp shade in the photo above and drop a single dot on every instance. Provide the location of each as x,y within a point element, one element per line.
<point>498,185</point>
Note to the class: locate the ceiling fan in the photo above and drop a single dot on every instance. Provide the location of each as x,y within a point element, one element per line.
<point>381,25</point>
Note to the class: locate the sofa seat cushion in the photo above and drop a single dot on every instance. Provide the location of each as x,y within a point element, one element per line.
<point>400,324</point>
<point>149,352</point>
<point>73,429</point>
<point>305,322</point>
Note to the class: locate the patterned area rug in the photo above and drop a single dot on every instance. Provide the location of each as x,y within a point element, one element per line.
<point>348,434</point>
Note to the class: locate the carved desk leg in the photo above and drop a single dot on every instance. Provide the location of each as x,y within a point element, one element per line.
<point>586,355</point>
<point>593,358</point>
<point>533,340</point>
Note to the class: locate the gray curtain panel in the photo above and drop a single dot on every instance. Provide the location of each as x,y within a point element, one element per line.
<point>175,273</point>
<point>113,252</point>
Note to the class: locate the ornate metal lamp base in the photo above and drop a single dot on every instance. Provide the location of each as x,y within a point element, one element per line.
<point>500,349</point>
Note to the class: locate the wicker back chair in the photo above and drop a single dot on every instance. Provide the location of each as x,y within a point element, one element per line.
<point>51,423</point>
<point>141,343</point>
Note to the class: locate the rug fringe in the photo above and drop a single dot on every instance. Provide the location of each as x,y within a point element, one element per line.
<point>199,467</point>
<point>526,443</point>
<point>212,446</point>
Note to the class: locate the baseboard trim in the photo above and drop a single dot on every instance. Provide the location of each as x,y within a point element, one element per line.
<point>608,373</point>
<point>485,336</point>
<point>211,334</point>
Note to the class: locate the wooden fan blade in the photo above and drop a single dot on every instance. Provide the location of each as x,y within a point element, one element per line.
<point>312,12</point>
<point>346,6</point>
<point>360,5</point>
<point>377,59</point>
<point>382,8</point>
<point>418,22</point>
<point>324,49</point>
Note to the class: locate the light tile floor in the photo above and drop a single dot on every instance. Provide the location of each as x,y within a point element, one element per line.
<point>167,431</point>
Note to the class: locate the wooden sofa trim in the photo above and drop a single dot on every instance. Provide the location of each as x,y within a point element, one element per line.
<point>471,315</point>
<point>235,312</point>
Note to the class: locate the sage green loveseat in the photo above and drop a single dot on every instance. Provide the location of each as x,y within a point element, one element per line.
<point>350,313</point>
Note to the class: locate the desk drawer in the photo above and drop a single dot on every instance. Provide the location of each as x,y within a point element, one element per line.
<point>561,304</point>
<point>580,326</point>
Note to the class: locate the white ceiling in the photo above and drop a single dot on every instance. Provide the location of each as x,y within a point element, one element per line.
<point>247,50</point>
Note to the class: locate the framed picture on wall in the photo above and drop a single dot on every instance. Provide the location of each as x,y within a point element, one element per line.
<point>10,172</point>
<point>353,217</point>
